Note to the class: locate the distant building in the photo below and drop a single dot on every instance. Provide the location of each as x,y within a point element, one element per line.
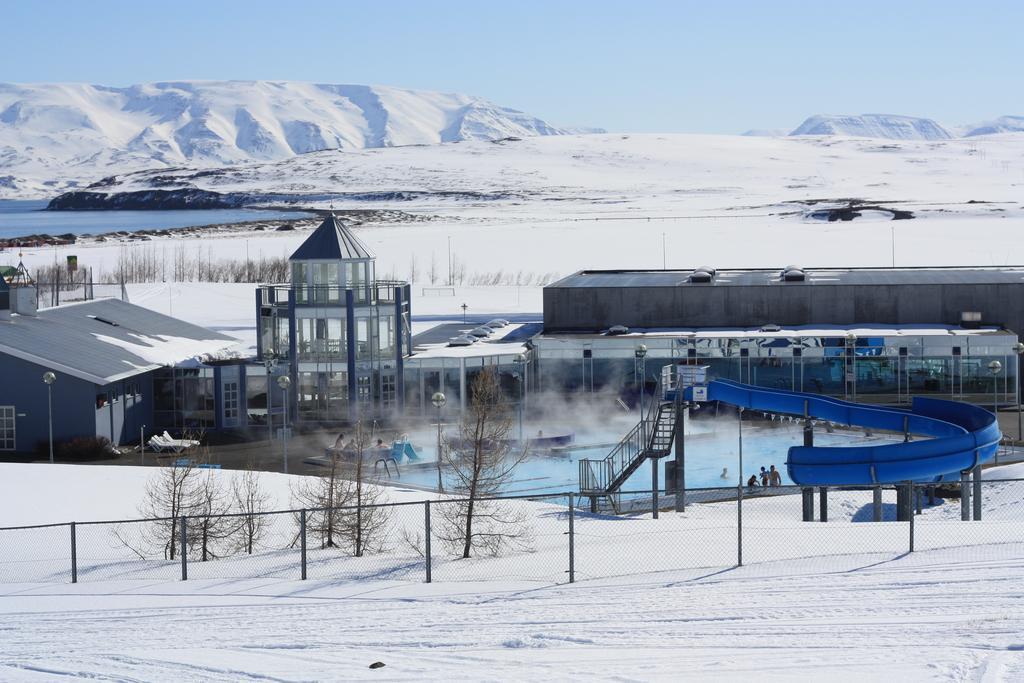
<point>106,356</point>
<point>877,334</point>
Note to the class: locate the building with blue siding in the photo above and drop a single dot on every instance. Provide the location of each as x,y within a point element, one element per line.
<point>105,355</point>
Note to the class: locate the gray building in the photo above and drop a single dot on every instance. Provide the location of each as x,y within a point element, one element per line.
<point>104,355</point>
<point>881,334</point>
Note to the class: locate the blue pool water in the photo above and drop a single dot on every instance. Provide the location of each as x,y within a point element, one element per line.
<point>18,218</point>
<point>707,454</point>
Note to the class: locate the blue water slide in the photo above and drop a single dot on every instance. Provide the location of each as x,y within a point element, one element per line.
<point>961,436</point>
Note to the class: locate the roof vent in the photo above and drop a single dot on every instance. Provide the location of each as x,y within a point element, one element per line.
<point>793,274</point>
<point>702,274</point>
<point>105,321</point>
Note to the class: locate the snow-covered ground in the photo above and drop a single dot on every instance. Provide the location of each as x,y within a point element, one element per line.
<point>654,599</point>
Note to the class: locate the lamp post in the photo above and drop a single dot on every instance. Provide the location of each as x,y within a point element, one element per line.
<point>1018,348</point>
<point>520,361</point>
<point>284,381</point>
<point>269,361</point>
<point>438,399</point>
<point>740,415</point>
<point>850,368</point>
<point>640,354</point>
<point>48,379</point>
<point>995,367</point>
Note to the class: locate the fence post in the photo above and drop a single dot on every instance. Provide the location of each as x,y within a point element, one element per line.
<point>654,488</point>
<point>739,526</point>
<point>977,493</point>
<point>184,550</point>
<point>911,494</point>
<point>823,503</point>
<point>876,504</point>
<point>965,497</point>
<point>302,540</point>
<point>74,555</point>
<point>572,540</point>
<point>426,542</point>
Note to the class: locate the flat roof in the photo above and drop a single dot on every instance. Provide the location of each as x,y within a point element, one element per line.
<point>106,340</point>
<point>751,277</point>
<point>790,331</point>
<point>510,339</point>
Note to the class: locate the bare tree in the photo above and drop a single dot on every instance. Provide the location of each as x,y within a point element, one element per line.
<point>170,493</point>
<point>432,273</point>
<point>479,463</point>
<point>207,526</point>
<point>323,496</point>
<point>252,501</point>
<point>366,525</point>
<point>413,271</point>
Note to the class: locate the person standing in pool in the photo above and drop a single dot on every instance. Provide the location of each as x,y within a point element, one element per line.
<point>775,477</point>
<point>764,476</point>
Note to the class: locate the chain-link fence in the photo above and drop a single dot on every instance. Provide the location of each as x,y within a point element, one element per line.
<point>542,539</point>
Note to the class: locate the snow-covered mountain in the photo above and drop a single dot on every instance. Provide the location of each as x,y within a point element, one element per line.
<point>54,136</point>
<point>886,126</point>
<point>1003,124</point>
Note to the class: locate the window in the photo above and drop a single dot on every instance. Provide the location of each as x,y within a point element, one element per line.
<point>230,400</point>
<point>101,401</point>
<point>6,428</point>
<point>387,390</point>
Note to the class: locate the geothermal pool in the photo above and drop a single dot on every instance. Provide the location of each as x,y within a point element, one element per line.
<point>710,448</point>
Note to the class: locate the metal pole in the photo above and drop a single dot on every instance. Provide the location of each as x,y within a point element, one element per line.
<point>876,504</point>
<point>965,496</point>
<point>184,550</point>
<point>270,403</point>
<point>654,488</point>
<point>680,454</point>
<point>911,493</point>
<point>284,432</point>
<point>74,555</point>
<point>740,416</point>
<point>572,539</point>
<point>977,493</point>
<point>823,503</point>
<point>142,444</point>
<point>302,535</point>
<point>440,484</point>
<point>426,535</point>
<point>739,525</point>
<point>49,402</point>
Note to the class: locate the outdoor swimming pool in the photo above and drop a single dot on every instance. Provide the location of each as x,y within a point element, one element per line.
<point>710,448</point>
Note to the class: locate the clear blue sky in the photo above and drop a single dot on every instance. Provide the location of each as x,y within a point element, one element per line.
<point>712,66</point>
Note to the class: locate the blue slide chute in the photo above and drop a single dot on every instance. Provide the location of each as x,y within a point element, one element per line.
<point>961,436</point>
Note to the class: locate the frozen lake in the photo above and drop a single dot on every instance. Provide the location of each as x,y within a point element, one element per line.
<point>19,218</point>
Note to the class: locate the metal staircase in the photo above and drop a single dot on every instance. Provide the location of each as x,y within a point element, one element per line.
<point>651,438</point>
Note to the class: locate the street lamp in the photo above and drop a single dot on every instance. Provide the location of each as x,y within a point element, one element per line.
<point>1018,348</point>
<point>520,361</point>
<point>269,361</point>
<point>284,381</point>
<point>439,400</point>
<point>640,353</point>
<point>741,446</point>
<point>48,379</point>
<point>994,367</point>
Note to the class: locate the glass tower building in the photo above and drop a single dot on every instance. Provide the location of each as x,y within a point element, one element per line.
<point>340,333</point>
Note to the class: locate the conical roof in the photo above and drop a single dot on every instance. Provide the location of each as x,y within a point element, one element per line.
<point>332,240</point>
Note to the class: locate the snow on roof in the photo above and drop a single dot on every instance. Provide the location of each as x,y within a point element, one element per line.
<point>105,340</point>
<point>860,330</point>
<point>434,342</point>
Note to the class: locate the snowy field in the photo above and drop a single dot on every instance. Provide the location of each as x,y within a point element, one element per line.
<point>654,599</point>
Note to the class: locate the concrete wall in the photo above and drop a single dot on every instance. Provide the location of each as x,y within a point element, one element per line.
<point>589,309</point>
